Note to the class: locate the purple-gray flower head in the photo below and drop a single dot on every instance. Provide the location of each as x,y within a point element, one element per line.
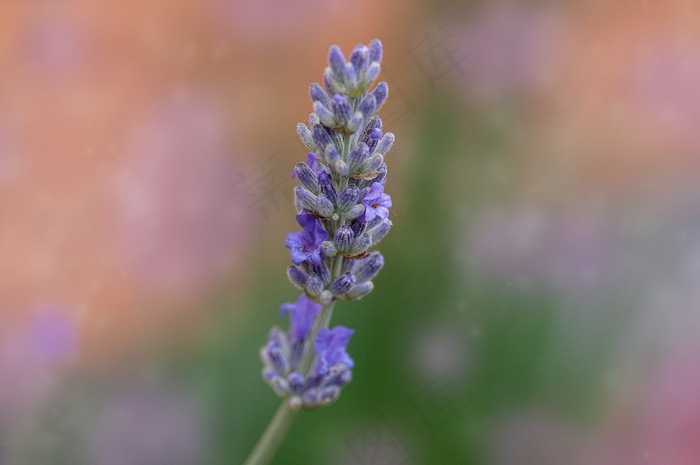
<point>305,246</point>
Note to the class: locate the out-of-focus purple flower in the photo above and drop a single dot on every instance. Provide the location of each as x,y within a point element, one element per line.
<point>530,247</point>
<point>666,81</point>
<point>376,203</point>
<point>331,345</point>
<point>31,358</point>
<point>302,314</point>
<point>271,20</point>
<point>512,49</point>
<point>52,334</point>
<point>147,426</point>
<point>57,48</point>
<point>305,246</point>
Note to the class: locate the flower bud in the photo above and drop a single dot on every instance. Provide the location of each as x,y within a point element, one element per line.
<point>380,94</point>
<point>357,156</point>
<point>385,143</point>
<point>360,290</point>
<point>367,106</point>
<point>324,207</point>
<point>321,136</point>
<point>317,94</point>
<point>306,137</point>
<point>325,298</point>
<point>378,232</point>
<point>350,78</point>
<point>370,167</point>
<point>305,198</point>
<point>342,284</point>
<point>307,177</point>
<point>343,239</point>
<point>314,286</point>
<point>313,120</point>
<point>353,212</point>
<point>367,268</point>
<point>327,187</point>
<point>296,382</point>
<point>322,272</point>
<point>297,277</point>
<point>375,50</point>
<point>372,72</point>
<point>329,249</point>
<point>348,198</point>
<point>276,382</point>
<point>360,59</point>
<point>326,116</point>
<point>358,227</point>
<point>272,356</point>
<point>361,244</point>
<point>336,60</point>
<point>341,109</point>
<point>355,122</point>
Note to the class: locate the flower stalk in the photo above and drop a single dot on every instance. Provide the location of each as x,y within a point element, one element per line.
<point>272,437</point>
<point>343,212</point>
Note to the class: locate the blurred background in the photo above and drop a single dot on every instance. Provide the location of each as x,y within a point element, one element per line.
<point>540,301</point>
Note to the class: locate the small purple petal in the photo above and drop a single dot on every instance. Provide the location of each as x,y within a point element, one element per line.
<point>376,202</point>
<point>302,314</point>
<point>306,245</point>
<point>331,345</point>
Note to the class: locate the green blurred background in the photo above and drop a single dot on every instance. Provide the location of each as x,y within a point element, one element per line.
<point>539,303</point>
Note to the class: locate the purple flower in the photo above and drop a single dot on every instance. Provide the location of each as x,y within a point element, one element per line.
<point>302,314</point>
<point>330,347</point>
<point>376,202</point>
<point>306,245</point>
<point>312,161</point>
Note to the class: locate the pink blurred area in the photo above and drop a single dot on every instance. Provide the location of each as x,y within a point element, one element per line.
<point>660,422</point>
<point>620,116</point>
<point>116,179</point>
<point>601,95</point>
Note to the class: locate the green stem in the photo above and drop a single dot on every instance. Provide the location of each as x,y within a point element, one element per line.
<point>272,437</point>
<point>322,322</point>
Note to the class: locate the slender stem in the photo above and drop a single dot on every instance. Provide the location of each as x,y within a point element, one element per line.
<point>337,267</point>
<point>322,322</point>
<point>272,437</point>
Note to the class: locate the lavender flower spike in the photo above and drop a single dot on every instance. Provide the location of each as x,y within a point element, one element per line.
<point>343,212</point>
